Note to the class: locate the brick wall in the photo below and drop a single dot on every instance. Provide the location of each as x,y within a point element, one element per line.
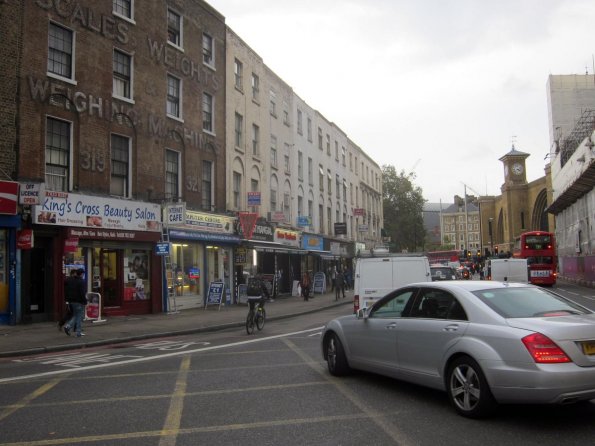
<point>90,104</point>
<point>10,20</point>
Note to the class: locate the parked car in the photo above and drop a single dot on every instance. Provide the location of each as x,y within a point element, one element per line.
<point>441,272</point>
<point>483,342</point>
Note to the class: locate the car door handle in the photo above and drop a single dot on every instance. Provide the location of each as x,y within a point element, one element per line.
<point>391,326</point>
<point>451,327</point>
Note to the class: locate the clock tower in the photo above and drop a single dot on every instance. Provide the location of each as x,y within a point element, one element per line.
<point>515,215</point>
<point>514,168</point>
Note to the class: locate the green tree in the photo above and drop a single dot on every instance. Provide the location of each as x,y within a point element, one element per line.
<point>403,205</point>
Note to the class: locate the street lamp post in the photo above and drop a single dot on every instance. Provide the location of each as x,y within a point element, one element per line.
<point>491,235</point>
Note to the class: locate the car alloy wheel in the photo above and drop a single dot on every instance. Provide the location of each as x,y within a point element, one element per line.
<point>335,356</point>
<point>468,389</point>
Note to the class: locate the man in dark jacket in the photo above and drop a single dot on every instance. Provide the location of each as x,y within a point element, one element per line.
<point>77,297</point>
<point>67,290</point>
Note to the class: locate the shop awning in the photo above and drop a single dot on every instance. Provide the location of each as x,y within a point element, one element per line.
<point>184,234</point>
<point>274,247</point>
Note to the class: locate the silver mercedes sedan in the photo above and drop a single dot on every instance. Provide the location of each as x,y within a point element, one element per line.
<point>482,342</point>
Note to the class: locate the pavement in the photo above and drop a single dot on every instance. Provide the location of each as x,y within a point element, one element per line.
<point>44,337</point>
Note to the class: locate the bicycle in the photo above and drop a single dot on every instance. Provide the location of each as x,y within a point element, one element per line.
<point>256,315</point>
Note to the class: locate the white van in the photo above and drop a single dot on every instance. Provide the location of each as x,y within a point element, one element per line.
<point>379,273</point>
<point>509,270</point>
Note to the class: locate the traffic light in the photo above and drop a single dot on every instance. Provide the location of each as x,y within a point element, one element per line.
<point>496,250</point>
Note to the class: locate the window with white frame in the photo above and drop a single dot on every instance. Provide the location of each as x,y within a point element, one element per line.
<point>310,209</point>
<point>239,125</point>
<point>300,166</point>
<point>208,50</point>
<point>300,205</point>
<point>320,139</point>
<point>238,71</point>
<point>310,172</point>
<point>299,122</point>
<point>120,162</point>
<point>58,141</point>
<point>60,51</point>
<point>207,112</point>
<point>255,140</point>
<point>337,150</point>
<point>273,202</point>
<point>344,191</point>
<point>172,175</point>
<point>343,155</point>
<point>338,186</point>
<point>254,185</point>
<point>273,151</point>
<point>207,186</point>
<point>174,104</point>
<point>122,81</point>
<point>309,129</point>
<point>123,8</point>
<point>286,204</point>
<point>237,190</point>
<point>273,103</point>
<point>320,178</point>
<point>286,158</point>
<point>255,87</point>
<point>329,220</point>
<point>321,218</point>
<point>329,181</point>
<point>285,116</point>
<point>174,28</point>
<point>328,144</point>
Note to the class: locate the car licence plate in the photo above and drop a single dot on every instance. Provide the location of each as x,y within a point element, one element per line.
<point>588,347</point>
<point>540,273</point>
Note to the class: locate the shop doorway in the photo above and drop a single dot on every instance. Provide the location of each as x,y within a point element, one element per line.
<point>37,283</point>
<point>106,264</point>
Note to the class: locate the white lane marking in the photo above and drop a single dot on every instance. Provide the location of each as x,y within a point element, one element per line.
<point>152,358</point>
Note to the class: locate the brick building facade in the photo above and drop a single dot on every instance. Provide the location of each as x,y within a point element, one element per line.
<point>119,108</point>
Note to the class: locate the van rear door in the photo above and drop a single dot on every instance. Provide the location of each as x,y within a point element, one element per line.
<point>375,280</point>
<point>410,270</point>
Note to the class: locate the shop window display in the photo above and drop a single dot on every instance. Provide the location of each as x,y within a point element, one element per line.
<point>136,275</point>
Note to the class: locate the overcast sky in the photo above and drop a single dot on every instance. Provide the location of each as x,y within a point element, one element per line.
<point>439,86</point>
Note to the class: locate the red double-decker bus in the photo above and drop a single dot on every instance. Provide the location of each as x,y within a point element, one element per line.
<point>443,256</point>
<point>539,248</point>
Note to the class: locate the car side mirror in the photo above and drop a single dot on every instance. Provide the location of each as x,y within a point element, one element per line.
<point>362,313</point>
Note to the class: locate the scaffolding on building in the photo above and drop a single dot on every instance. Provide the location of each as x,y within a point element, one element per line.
<point>583,129</point>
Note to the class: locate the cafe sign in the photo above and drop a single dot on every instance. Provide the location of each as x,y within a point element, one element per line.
<point>287,237</point>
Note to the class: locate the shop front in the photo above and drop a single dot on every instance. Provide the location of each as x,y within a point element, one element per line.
<point>272,252</point>
<point>112,240</point>
<point>202,252</point>
<point>314,245</point>
<point>10,222</point>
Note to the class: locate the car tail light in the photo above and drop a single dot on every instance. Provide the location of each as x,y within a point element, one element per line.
<point>355,303</point>
<point>544,350</point>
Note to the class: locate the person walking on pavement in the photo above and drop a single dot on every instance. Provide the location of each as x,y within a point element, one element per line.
<point>68,313</point>
<point>333,277</point>
<point>305,284</point>
<point>339,284</point>
<point>76,296</point>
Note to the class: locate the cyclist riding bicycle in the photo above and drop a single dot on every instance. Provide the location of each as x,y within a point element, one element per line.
<point>257,292</point>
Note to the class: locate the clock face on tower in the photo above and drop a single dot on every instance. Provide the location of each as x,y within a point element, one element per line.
<point>517,168</point>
